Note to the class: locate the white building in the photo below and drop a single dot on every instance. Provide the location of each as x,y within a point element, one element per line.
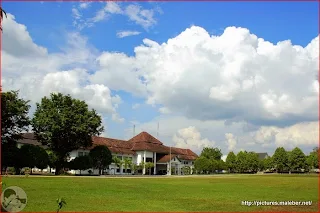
<point>142,148</point>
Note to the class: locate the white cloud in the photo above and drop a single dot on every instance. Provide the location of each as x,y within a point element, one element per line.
<point>191,138</point>
<point>45,73</point>
<point>235,76</point>
<point>140,16</point>
<point>136,106</point>
<point>231,141</point>
<point>164,110</point>
<point>122,34</point>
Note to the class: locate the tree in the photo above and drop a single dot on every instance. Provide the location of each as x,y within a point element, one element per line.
<point>211,153</point>
<point>312,159</point>
<point>41,158</point>
<point>117,162</point>
<point>2,12</point>
<point>297,160</point>
<point>213,165</point>
<point>231,161</point>
<point>52,159</point>
<point>280,160</point>
<point>252,162</point>
<point>101,157</point>
<point>11,157</point>
<point>202,164</point>
<point>65,124</point>
<point>241,162</point>
<point>222,165</point>
<point>14,117</point>
<point>149,166</point>
<point>81,163</point>
<point>127,163</point>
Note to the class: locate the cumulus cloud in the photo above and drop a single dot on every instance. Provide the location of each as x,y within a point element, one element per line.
<point>231,141</point>
<point>122,34</point>
<point>191,138</point>
<point>46,73</point>
<point>236,76</point>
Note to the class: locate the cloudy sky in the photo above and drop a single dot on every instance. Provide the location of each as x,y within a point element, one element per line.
<point>229,75</point>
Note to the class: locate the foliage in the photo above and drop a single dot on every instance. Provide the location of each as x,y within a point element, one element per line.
<point>312,159</point>
<point>297,160</point>
<point>267,163</point>
<point>202,164</point>
<point>101,157</point>
<point>211,153</point>
<point>149,166</point>
<point>117,161</point>
<point>231,162</point>
<point>65,124</point>
<point>186,170</point>
<point>34,156</point>
<point>81,163</point>
<point>14,116</point>
<point>252,162</point>
<point>127,162</point>
<point>280,160</point>
<point>10,156</point>
<point>241,162</point>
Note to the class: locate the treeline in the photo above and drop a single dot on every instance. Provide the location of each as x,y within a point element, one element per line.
<point>282,161</point>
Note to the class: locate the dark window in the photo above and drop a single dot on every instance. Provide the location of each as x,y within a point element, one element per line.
<point>129,171</point>
<point>118,170</point>
<point>149,160</point>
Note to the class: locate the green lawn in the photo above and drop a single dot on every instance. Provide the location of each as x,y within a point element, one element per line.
<point>210,194</point>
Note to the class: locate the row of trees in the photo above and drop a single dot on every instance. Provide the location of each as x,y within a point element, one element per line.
<point>60,122</point>
<point>281,161</point>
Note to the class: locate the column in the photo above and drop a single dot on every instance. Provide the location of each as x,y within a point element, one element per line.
<point>155,163</point>
<point>144,163</point>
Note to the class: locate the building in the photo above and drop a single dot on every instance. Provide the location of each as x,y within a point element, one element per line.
<point>141,148</point>
<point>262,155</point>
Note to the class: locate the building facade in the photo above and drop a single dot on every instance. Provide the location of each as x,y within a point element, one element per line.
<point>141,149</point>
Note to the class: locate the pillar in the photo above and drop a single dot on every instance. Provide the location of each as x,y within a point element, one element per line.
<point>155,163</point>
<point>144,163</point>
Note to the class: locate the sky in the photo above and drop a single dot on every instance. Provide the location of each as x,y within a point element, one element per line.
<point>237,76</point>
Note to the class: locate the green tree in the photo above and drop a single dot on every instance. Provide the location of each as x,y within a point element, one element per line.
<point>65,124</point>
<point>149,166</point>
<point>41,158</point>
<point>297,160</point>
<point>222,165</point>
<point>127,162</point>
<point>27,152</point>
<point>101,157</point>
<point>11,157</point>
<point>242,164</point>
<point>117,162</point>
<point>280,160</point>
<point>202,164</point>
<point>14,117</point>
<point>81,163</point>
<point>231,161</point>
<point>312,159</point>
<point>52,159</point>
<point>213,166</point>
<point>186,170</point>
<point>211,153</point>
<point>252,162</point>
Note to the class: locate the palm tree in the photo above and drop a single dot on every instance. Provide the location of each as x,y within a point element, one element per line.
<point>2,13</point>
<point>148,166</point>
<point>141,165</point>
<point>127,163</point>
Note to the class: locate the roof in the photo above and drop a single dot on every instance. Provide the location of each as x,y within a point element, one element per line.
<point>145,137</point>
<point>141,142</point>
<point>166,158</point>
<point>262,155</point>
<point>29,138</point>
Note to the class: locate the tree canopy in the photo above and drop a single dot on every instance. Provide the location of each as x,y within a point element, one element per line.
<point>231,162</point>
<point>14,117</point>
<point>65,124</point>
<point>101,157</point>
<point>297,160</point>
<point>280,160</point>
<point>211,153</point>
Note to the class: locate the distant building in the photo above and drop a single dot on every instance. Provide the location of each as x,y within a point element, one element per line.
<point>262,155</point>
<point>141,148</point>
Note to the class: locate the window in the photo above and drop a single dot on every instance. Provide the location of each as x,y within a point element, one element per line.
<point>118,170</point>
<point>129,171</point>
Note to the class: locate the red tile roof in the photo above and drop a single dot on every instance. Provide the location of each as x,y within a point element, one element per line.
<point>166,158</point>
<point>141,142</point>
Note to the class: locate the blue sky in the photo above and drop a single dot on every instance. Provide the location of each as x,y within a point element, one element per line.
<point>49,24</point>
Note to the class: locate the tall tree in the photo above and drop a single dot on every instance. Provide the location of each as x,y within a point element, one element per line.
<point>65,124</point>
<point>52,159</point>
<point>252,162</point>
<point>231,161</point>
<point>33,156</point>
<point>280,160</point>
<point>127,164</point>
<point>41,158</point>
<point>101,157</point>
<point>118,162</point>
<point>297,160</point>
<point>242,164</point>
<point>267,163</point>
<point>14,117</point>
<point>211,153</point>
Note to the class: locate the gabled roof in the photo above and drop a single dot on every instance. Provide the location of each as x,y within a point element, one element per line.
<point>166,158</point>
<point>184,154</point>
<point>114,145</point>
<point>29,138</point>
<point>145,137</point>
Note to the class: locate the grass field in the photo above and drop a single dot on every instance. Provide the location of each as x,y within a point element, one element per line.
<point>179,194</point>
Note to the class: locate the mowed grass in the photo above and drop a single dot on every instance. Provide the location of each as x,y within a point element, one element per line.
<point>221,193</point>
